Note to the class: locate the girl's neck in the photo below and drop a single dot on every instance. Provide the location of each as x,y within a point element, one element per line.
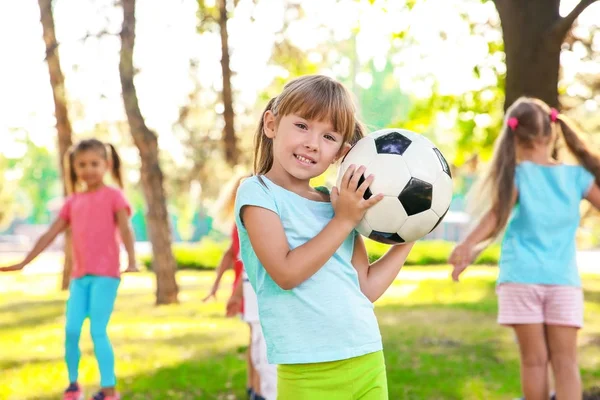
<point>300,187</point>
<point>94,188</point>
<point>537,155</point>
<point>288,182</point>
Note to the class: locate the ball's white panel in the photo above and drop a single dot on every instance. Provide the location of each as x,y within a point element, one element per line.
<point>391,174</point>
<point>363,228</point>
<point>422,162</point>
<point>418,225</point>
<point>386,216</point>
<point>363,152</point>
<point>422,140</point>
<point>442,193</point>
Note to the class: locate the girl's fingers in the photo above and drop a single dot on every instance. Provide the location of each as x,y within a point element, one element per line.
<point>365,185</point>
<point>334,192</point>
<point>457,271</point>
<point>353,184</point>
<point>347,175</point>
<point>373,200</point>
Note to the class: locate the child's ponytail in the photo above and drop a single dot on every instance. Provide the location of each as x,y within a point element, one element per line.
<point>501,178</point>
<point>116,170</point>
<point>263,146</point>
<point>586,157</point>
<point>69,170</point>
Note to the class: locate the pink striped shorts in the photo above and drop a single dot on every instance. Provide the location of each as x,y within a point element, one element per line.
<point>536,304</point>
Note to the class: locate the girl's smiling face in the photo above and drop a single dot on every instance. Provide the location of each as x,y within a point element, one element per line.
<point>90,167</point>
<point>302,149</point>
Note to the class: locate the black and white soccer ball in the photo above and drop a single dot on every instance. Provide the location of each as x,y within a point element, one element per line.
<point>412,174</point>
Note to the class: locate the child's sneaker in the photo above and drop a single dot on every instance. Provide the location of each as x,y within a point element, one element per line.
<point>101,396</point>
<point>73,392</point>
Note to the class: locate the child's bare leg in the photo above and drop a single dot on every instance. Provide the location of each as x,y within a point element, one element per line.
<point>562,343</point>
<point>534,360</point>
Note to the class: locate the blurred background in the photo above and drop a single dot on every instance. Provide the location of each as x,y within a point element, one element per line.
<point>202,72</point>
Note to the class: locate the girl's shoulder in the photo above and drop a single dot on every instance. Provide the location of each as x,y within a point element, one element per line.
<point>253,184</point>
<point>113,190</point>
<point>558,169</point>
<point>572,177</point>
<point>554,166</point>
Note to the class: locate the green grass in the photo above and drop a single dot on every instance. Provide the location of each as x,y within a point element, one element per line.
<point>441,339</point>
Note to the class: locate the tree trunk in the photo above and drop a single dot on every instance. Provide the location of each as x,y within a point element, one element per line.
<point>164,265</point>
<point>63,125</point>
<point>533,33</point>
<point>229,139</point>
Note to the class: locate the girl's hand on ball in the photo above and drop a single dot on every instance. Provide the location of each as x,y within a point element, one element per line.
<point>348,201</point>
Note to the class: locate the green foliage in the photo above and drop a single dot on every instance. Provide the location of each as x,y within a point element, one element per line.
<point>467,123</point>
<point>383,102</point>
<point>201,256</point>
<point>37,181</point>
<point>468,137</point>
<point>38,165</point>
<point>207,254</point>
<point>432,252</point>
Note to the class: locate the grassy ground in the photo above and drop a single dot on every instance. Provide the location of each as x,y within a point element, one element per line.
<point>441,340</point>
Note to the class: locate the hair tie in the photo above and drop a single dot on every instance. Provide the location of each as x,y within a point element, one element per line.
<point>513,122</point>
<point>553,114</point>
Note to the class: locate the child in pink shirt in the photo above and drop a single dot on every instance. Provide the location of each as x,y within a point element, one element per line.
<point>97,215</point>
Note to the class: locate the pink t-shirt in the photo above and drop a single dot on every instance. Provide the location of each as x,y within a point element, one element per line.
<point>94,228</point>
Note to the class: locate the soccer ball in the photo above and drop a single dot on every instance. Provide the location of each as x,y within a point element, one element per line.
<point>414,177</point>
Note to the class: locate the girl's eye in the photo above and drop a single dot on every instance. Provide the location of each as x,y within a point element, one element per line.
<point>330,137</point>
<point>302,126</point>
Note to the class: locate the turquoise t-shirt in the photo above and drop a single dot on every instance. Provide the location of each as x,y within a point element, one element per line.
<point>325,318</point>
<point>539,244</point>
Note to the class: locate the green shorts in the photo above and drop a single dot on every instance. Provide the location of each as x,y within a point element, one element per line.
<point>356,378</point>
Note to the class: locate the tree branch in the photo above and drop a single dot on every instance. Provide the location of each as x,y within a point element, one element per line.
<point>98,35</point>
<point>562,26</point>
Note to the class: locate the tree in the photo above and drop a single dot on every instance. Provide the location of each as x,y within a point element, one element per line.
<point>533,33</point>
<point>151,174</point>
<point>216,18</point>
<point>63,124</point>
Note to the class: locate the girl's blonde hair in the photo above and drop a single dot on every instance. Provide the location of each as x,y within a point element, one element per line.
<point>527,120</point>
<point>225,204</point>
<point>313,97</point>
<point>106,151</point>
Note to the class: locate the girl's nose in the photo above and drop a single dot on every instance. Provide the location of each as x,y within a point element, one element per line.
<point>311,142</point>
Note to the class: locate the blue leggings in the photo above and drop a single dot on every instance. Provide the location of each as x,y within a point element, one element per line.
<point>93,297</point>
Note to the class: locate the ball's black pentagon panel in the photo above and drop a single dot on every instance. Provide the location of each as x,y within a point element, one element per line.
<point>443,161</point>
<point>392,143</point>
<point>368,193</point>
<point>440,220</point>
<point>416,196</point>
<point>387,238</point>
